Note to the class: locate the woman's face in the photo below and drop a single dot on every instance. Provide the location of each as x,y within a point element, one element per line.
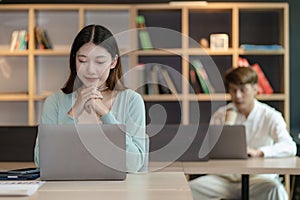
<point>93,64</point>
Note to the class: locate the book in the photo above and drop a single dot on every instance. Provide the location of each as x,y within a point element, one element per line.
<point>251,47</point>
<point>144,36</point>
<point>154,80</point>
<point>203,77</point>
<point>5,69</point>
<point>42,40</point>
<point>19,188</point>
<point>138,78</point>
<point>243,62</point>
<point>46,39</point>
<point>14,40</point>
<point>38,38</point>
<point>263,85</point>
<point>19,40</point>
<point>194,82</point>
<point>22,40</point>
<point>262,80</point>
<point>20,174</point>
<point>159,80</point>
<point>169,81</point>
<point>165,82</point>
<point>149,76</point>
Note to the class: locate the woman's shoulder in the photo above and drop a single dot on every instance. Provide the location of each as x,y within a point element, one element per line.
<point>130,97</point>
<point>57,95</point>
<point>130,93</point>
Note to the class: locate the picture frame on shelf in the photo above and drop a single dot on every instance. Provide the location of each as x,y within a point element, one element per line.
<point>219,41</point>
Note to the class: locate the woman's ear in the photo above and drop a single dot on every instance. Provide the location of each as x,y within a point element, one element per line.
<point>114,62</point>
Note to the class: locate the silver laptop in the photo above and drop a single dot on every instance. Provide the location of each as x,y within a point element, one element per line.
<point>82,152</point>
<point>228,142</point>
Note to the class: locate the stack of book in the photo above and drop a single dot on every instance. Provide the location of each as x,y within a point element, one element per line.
<point>153,78</point>
<point>42,40</point>
<point>19,40</point>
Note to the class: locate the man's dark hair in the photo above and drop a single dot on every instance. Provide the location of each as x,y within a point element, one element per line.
<point>241,76</point>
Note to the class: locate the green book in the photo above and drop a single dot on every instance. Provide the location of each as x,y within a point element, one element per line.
<point>197,66</point>
<point>143,33</point>
<point>145,39</point>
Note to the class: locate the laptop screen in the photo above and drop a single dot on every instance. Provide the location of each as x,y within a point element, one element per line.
<point>82,152</point>
<point>228,141</point>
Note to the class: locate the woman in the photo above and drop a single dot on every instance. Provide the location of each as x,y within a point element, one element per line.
<point>95,93</point>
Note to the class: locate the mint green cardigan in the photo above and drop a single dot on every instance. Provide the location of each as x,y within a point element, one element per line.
<point>128,109</point>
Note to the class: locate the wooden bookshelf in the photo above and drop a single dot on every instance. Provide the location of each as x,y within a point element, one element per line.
<point>47,70</point>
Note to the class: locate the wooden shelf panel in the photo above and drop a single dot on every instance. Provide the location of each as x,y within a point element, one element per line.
<point>207,97</point>
<point>51,52</point>
<point>272,97</point>
<point>164,97</point>
<point>158,52</point>
<point>40,97</point>
<point>14,53</point>
<point>207,51</point>
<point>14,97</point>
<point>261,6</point>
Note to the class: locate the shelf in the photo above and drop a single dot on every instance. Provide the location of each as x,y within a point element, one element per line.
<point>51,52</point>
<point>40,97</point>
<point>158,52</point>
<point>207,51</point>
<point>14,97</point>
<point>226,97</point>
<point>210,97</point>
<point>14,53</point>
<point>272,97</point>
<point>164,97</point>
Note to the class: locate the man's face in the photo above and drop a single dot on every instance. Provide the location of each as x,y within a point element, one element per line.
<point>243,96</point>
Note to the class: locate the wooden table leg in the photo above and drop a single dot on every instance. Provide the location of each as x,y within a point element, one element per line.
<point>245,186</point>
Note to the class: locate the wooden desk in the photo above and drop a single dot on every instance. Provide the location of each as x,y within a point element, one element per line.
<point>245,167</point>
<point>148,186</point>
<point>290,165</point>
<point>287,166</point>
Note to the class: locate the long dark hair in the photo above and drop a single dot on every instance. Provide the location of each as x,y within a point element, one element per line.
<point>101,36</point>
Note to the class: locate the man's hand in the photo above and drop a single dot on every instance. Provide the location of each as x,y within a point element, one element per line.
<point>254,152</point>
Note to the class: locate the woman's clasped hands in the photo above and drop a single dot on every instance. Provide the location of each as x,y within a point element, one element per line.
<point>90,100</point>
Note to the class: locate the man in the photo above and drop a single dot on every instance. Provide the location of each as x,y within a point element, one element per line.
<point>267,136</point>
